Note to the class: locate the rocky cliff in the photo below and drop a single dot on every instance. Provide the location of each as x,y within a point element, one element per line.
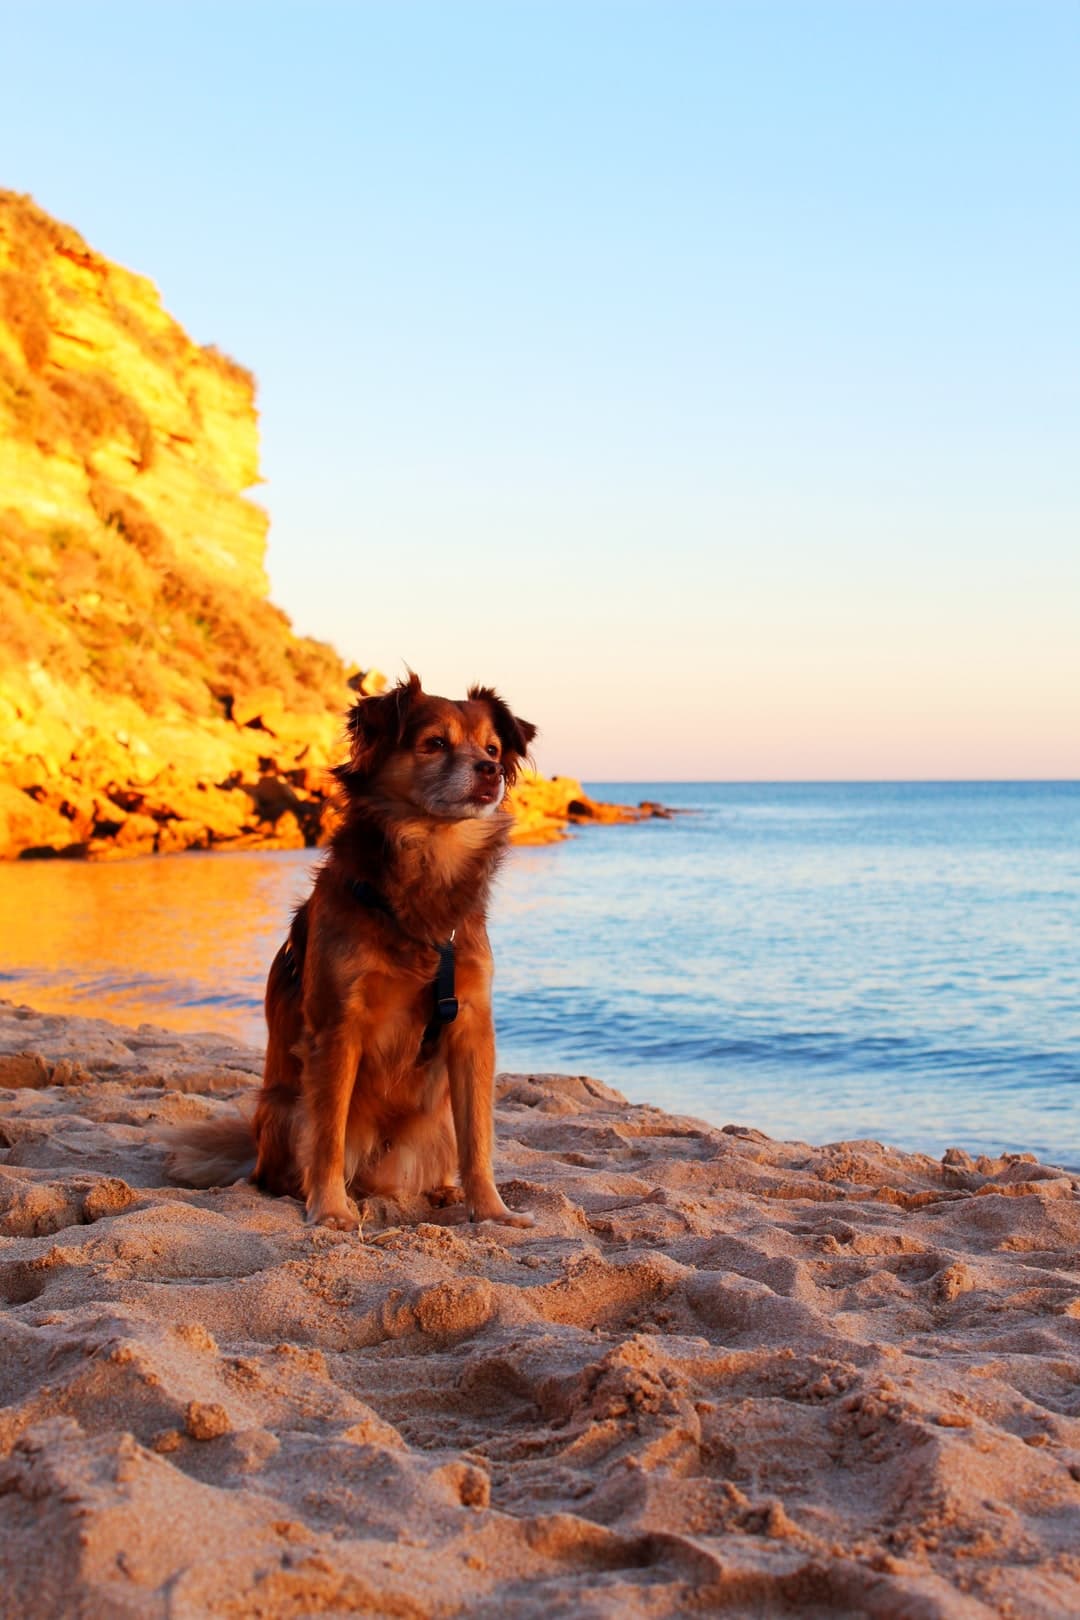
<point>151,697</point>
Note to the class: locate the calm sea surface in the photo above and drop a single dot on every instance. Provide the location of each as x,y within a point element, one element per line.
<point>893,961</point>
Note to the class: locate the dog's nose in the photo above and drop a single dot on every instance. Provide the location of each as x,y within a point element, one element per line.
<point>487,767</point>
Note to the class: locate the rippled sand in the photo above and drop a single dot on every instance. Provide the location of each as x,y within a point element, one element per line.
<point>724,1374</point>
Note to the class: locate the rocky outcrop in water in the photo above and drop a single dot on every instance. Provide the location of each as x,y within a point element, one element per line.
<point>544,807</point>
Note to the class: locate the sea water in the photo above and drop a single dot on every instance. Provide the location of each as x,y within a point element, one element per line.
<point>895,961</point>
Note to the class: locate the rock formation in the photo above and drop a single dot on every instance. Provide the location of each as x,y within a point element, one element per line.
<point>545,806</point>
<point>151,696</point>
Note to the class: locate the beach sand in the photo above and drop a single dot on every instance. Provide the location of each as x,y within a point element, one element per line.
<point>722,1375</point>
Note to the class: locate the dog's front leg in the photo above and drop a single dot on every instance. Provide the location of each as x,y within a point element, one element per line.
<point>471,1063</point>
<point>331,1059</point>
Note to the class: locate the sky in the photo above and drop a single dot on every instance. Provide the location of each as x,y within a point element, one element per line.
<point>705,376</point>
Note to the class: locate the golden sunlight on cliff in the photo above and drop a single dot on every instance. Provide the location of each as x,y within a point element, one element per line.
<point>139,648</point>
<point>151,697</point>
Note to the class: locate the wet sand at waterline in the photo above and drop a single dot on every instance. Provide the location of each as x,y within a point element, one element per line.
<point>723,1373</point>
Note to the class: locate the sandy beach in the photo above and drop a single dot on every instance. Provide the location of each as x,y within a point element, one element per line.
<point>723,1374</point>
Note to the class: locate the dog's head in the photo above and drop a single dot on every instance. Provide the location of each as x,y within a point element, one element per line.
<point>453,760</point>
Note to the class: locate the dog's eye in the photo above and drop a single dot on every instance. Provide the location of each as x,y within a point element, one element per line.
<point>435,745</point>
<point>492,750</point>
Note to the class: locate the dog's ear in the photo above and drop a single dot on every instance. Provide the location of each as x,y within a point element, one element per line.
<point>514,734</point>
<point>376,726</point>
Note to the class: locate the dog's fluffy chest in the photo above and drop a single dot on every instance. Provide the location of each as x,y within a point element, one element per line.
<point>394,1009</point>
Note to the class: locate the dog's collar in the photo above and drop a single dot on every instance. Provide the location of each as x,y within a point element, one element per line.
<point>446,1004</point>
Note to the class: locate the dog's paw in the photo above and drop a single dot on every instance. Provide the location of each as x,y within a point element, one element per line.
<point>444,1197</point>
<point>498,1211</point>
<point>343,1217</point>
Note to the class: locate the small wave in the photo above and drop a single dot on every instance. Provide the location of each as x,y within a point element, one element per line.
<point>636,1039</point>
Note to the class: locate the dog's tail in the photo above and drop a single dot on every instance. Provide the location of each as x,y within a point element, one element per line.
<point>211,1154</point>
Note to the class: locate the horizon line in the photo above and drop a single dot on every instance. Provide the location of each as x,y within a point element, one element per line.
<point>834,781</point>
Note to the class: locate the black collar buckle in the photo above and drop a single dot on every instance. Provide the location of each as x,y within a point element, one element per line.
<point>446,1003</point>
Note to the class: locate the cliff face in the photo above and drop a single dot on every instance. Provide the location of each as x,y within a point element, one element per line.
<point>112,415</point>
<point>151,697</point>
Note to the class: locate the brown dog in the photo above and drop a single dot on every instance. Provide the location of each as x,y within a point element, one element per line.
<point>379,1074</point>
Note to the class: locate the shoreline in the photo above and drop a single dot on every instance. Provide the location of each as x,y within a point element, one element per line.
<point>295,809</point>
<point>723,1372</point>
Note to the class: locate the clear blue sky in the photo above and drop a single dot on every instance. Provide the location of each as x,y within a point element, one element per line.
<point>706,376</point>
